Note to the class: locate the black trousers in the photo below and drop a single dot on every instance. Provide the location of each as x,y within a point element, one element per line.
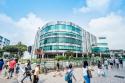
<point>35,79</point>
<point>11,71</point>
<point>26,77</point>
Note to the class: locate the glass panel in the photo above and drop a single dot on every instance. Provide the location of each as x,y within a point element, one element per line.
<point>62,34</point>
<point>61,47</point>
<point>61,27</point>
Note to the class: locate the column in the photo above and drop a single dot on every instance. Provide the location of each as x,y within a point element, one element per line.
<point>76,55</point>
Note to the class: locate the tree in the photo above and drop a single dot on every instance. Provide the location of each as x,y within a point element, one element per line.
<point>10,48</point>
<point>17,49</point>
<point>21,49</point>
<point>69,54</point>
<point>1,52</point>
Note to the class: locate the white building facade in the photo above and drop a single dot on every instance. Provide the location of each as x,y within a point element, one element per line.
<point>4,41</point>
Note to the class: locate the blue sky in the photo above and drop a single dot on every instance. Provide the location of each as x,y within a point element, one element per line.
<point>40,7</point>
<point>19,19</point>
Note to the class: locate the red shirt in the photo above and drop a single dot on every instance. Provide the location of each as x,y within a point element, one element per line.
<point>12,64</point>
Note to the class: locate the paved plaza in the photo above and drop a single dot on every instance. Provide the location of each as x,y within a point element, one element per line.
<point>78,74</point>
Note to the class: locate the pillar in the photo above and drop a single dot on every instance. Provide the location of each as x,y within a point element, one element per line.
<point>76,55</point>
<point>63,54</point>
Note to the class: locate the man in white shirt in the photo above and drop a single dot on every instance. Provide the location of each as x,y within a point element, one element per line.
<point>117,62</point>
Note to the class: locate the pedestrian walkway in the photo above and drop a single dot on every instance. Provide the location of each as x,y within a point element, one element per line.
<point>110,78</point>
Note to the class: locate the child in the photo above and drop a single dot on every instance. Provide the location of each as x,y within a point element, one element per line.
<point>69,74</point>
<point>17,70</point>
<point>5,71</point>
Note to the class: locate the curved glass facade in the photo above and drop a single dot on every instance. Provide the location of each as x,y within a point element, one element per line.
<point>61,40</point>
<point>61,47</point>
<point>61,37</point>
<point>59,27</point>
<point>59,33</point>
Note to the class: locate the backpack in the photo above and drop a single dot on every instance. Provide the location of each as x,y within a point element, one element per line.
<point>68,76</point>
<point>17,68</point>
<point>28,71</point>
<point>29,67</point>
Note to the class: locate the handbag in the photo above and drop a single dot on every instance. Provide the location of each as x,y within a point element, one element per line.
<point>89,73</point>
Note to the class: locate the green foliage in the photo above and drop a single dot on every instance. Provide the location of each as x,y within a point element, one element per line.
<point>11,49</point>
<point>16,49</point>
<point>69,53</point>
<point>60,57</point>
<point>21,48</point>
<point>1,52</point>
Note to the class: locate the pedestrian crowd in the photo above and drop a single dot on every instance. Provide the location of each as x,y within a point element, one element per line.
<point>11,69</point>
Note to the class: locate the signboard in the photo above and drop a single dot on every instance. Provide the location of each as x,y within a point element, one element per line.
<point>102,37</point>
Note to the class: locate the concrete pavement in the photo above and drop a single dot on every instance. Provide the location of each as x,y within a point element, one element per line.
<point>78,74</point>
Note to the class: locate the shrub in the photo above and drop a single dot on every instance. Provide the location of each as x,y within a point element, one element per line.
<point>60,57</point>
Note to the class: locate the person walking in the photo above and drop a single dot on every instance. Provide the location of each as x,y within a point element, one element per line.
<point>86,73</point>
<point>111,62</point>
<point>36,74</point>
<point>57,70</point>
<point>106,63</point>
<point>100,70</point>
<point>69,74</point>
<point>121,62</point>
<point>5,71</point>
<point>17,70</point>
<point>114,63</point>
<point>27,72</point>
<point>1,65</point>
<point>12,64</point>
<point>58,65</point>
<point>117,63</point>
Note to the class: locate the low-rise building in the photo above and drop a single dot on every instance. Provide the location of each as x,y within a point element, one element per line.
<point>4,41</point>
<point>101,46</point>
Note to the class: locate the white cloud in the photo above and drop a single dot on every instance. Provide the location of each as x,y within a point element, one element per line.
<point>94,6</point>
<point>22,30</point>
<point>30,22</point>
<point>112,26</point>
<point>5,19</point>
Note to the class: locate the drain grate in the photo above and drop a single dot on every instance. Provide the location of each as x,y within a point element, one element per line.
<point>118,76</point>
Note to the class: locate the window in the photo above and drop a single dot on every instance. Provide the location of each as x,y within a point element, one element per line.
<point>61,40</point>
<point>61,47</point>
<point>70,34</point>
<point>61,27</point>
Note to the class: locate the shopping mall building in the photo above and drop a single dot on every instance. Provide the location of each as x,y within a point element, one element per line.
<point>56,38</point>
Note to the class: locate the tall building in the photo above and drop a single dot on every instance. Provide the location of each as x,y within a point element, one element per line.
<point>102,46</point>
<point>59,37</point>
<point>88,41</point>
<point>4,42</point>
